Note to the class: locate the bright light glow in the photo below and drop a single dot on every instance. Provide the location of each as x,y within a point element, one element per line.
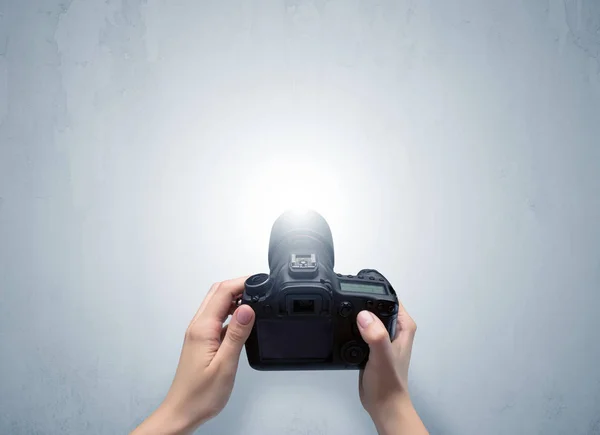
<point>290,183</point>
<point>277,150</point>
<point>298,214</point>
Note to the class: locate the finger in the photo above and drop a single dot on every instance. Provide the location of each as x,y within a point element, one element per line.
<point>405,330</point>
<point>208,327</point>
<point>223,332</point>
<point>211,291</point>
<point>361,375</point>
<point>401,309</point>
<point>220,301</point>
<point>376,336</point>
<point>232,308</point>
<point>236,335</point>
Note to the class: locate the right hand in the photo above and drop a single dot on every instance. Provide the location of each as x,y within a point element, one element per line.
<point>383,384</point>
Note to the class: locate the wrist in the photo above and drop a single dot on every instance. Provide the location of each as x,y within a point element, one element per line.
<point>398,417</point>
<point>165,420</point>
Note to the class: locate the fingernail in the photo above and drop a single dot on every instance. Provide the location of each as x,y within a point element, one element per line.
<point>244,316</point>
<point>365,318</point>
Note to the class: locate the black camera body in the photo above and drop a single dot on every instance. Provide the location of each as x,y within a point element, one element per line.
<point>305,312</point>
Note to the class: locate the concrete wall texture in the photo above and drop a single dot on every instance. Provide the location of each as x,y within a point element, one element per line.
<point>146,146</point>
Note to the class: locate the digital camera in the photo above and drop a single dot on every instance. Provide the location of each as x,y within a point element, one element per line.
<point>306,312</point>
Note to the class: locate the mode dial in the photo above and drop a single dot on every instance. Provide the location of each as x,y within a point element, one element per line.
<point>258,285</point>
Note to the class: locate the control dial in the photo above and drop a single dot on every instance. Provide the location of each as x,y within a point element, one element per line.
<point>353,353</point>
<point>257,285</point>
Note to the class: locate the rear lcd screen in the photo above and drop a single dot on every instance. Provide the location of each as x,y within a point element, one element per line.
<point>292,339</point>
<point>359,287</point>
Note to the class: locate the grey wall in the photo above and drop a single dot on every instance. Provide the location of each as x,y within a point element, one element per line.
<point>147,146</point>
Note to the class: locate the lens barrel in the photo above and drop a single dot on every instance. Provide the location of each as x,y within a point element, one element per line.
<point>297,232</point>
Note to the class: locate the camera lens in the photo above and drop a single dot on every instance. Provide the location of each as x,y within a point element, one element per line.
<point>300,232</point>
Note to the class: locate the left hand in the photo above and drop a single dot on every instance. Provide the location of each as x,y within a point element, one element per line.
<point>208,363</point>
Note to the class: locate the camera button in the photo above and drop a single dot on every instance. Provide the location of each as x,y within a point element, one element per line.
<point>370,305</point>
<point>345,309</point>
<point>381,306</point>
<point>257,285</point>
<point>353,354</point>
<point>372,278</point>
<point>268,309</point>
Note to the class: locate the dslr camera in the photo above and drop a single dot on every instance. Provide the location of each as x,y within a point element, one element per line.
<point>306,312</point>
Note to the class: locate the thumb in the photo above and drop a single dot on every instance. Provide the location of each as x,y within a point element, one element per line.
<point>376,336</point>
<point>238,330</point>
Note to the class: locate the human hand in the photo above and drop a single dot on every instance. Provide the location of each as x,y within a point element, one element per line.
<point>208,363</point>
<point>383,384</point>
